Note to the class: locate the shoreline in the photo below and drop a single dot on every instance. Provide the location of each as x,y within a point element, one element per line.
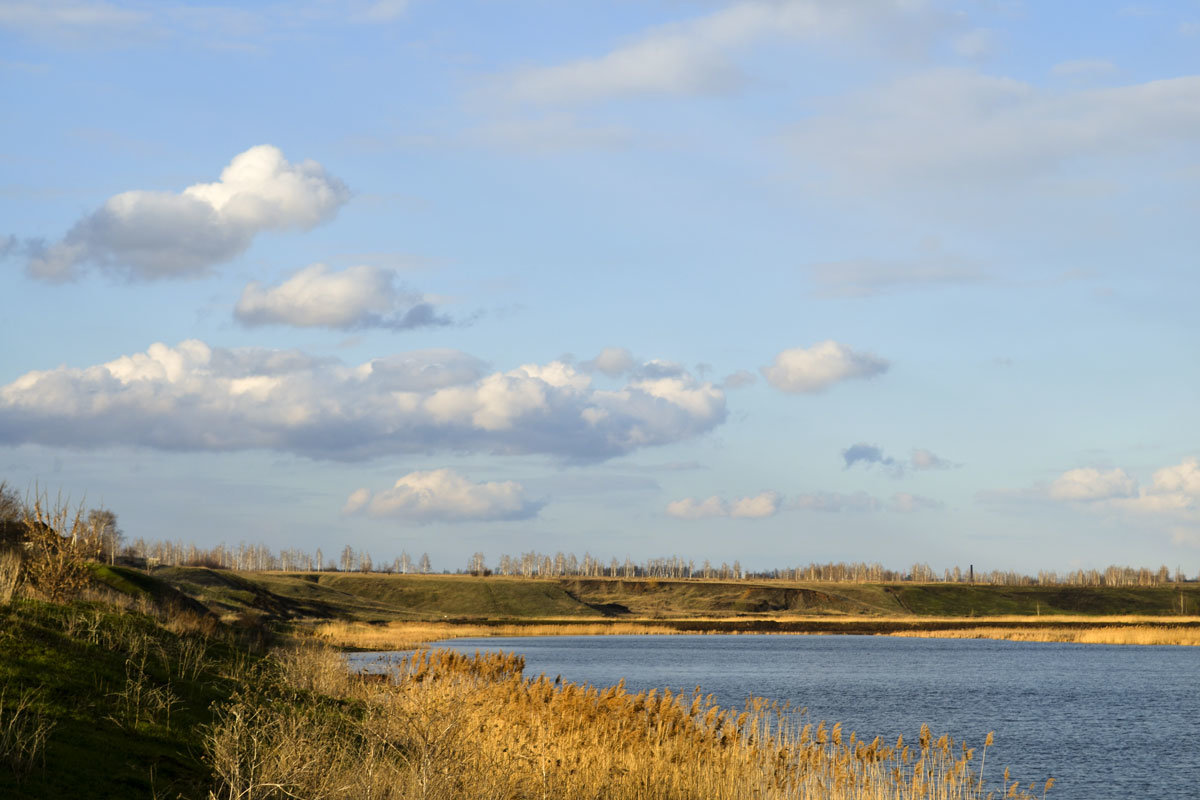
<point>1126,630</point>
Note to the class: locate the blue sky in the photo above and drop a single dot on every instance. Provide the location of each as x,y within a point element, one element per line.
<point>770,281</point>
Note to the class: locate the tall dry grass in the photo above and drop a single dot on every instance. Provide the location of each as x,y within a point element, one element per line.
<point>1108,634</point>
<point>452,726</point>
<point>10,573</point>
<point>410,635</point>
<point>23,731</point>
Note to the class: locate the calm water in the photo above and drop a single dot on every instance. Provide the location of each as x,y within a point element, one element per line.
<point>1104,721</point>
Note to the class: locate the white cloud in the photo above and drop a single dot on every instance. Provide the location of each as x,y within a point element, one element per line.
<point>612,361</point>
<point>764,504</point>
<point>951,124</point>
<point>147,235</point>
<point>443,495</point>
<point>691,508</point>
<point>356,297</point>
<point>698,56</point>
<point>1092,484</point>
<point>196,397</point>
<point>357,501</point>
<point>759,506</point>
<point>816,368</point>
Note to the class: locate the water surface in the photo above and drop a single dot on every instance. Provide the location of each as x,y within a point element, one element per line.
<point>1105,721</point>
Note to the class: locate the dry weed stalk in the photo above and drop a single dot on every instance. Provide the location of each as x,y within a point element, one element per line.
<point>10,573</point>
<point>23,732</point>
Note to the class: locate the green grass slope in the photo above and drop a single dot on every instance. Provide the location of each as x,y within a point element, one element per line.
<point>127,700</point>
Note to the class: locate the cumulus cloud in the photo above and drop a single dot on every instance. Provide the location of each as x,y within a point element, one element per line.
<point>759,506</point>
<point>148,235</point>
<point>1092,484</point>
<point>699,56</point>
<point>196,397</point>
<point>948,124</point>
<point>443,495</point>
<point>354,298</point>
<point>815,369</point>
<point>612,361</point>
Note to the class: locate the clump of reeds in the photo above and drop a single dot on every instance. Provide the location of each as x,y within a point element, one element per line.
<point>409,635</point>
<point>1101,634</point>
<point>447,725</point>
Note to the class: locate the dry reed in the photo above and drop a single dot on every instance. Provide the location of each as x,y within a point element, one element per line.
<point>1109,634</point>
<point>445,725</point>
<point>409,635</point>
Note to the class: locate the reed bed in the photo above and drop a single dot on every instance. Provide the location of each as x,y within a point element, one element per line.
<point>405,635</point>
<point>446,725</point>
<point>410,635</point>
<point>1109,634</point>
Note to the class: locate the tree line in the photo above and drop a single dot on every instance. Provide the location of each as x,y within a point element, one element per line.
<point>103,528</point>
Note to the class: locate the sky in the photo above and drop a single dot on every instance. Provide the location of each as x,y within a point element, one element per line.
<point>779,281</point>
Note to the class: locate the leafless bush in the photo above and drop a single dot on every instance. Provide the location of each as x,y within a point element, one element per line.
<point>59,544</point>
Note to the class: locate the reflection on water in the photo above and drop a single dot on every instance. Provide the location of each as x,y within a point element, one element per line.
<point>1104,721</point>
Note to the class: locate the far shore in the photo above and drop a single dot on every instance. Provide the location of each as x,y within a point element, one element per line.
<point>1126,629</point>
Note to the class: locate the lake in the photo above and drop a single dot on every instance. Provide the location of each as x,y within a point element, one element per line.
<point>1104,721</point>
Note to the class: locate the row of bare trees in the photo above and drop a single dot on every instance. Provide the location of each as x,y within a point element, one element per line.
<point>100,528</point>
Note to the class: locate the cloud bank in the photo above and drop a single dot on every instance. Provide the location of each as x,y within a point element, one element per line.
<point>443,495</point>
<point>193,397</point>
<point>815,369</point>
<point>147,235</point>
<point>354,298</point>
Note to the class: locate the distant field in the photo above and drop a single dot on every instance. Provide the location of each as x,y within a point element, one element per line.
<point>368,607</point>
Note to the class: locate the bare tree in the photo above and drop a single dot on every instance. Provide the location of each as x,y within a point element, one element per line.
<point>423,566</point>
<point>106,531</point>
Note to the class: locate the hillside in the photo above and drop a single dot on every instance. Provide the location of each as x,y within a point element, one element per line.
<point>377,597</point>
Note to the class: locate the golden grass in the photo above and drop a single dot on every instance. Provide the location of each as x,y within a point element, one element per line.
<point>1109,634</point>
<point>453,726</point>
<point>409,635</point>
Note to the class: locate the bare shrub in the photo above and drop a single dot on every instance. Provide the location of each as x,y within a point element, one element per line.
<point>59,543</point>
